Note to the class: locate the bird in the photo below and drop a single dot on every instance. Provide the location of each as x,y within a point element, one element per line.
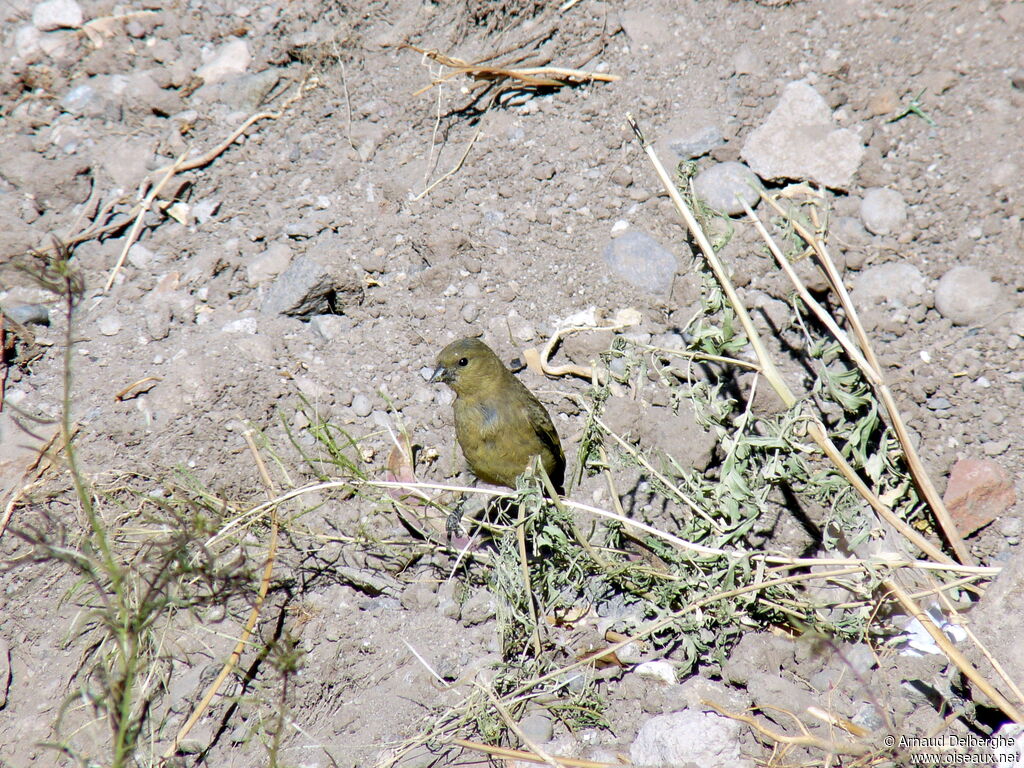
<point>499,424</point>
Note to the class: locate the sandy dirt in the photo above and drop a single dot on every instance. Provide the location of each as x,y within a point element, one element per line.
<point>440,213</point>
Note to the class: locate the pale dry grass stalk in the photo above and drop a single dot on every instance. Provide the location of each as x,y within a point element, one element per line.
<point>250,624</point>
<point>953,653</point>
<point>868,365</point>
<point>815,428</point>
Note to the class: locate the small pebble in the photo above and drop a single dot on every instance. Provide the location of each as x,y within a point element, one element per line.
<point>638,259</point>
<point>470,312</point>
<point>996,447</point>
<point>537,728</point>
<point>720,185</point>
<point>883,211</point>
<point>1011,526</point>
<point>361,405</point>
<point>622,176</point>
<point>28,314</point>
<point>139,256</point>
<point>938,404</point>
<point>661,670</point>
<point>246,325</point>
<point>110,325</point>
<point>543,171</point>
<point>966,295</point>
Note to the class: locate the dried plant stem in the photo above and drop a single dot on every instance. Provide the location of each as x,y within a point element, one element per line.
<point>872,370</point>
<point>142,209</point>
<point>667,621</point>
<point>805,740</point>
<point>524,565</point>
<point>236,654</point>
<point>815,429</point>
<point>455,168</point>
<point>966,626</point>
<point>953,653</point>
<point>518,754</point>
<point>513,726</point>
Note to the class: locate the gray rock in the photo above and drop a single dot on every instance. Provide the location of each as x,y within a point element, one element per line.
<point>57,44</point>
<point>646,28</point>
<point>231,58</point>
<point>83,99</point>
<point>1009,741</point>
<point>800,141</point>
<point>967,295</point>
<point>418,597</point>
<point>308,287</point>
<point>678,738</point>
<point>126,161</point>
<point>158,319</point>
<point>849,232</point>
<point>244,93</point>
<point>269,264</point>
<point>687,137</point>
<point>330,327</point>
<point>26,41</point>
<point>747,61</point>
<point>57,14</point>
<point>938,404</point>
<point>28,314</point>
<point>110,325</point>
<point>143,94</point>
<point>244,325</point>
<point>361,406</point>
<point>860,657</point>
<point>537,727</point>
<point>720,185</point>
<point>640,260</point>
<point>1016,322</point>
<point>899,283</point>
<point>204,210</point>
<point>478,608</point>
<point>5,671</point>
<point>883,211</point>
<point>140,257</point>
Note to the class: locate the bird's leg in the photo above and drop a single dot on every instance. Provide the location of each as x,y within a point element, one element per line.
<point>453,526</point>
<point>460,513</point>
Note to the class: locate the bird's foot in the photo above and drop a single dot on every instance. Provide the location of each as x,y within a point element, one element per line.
<point>453,526</point>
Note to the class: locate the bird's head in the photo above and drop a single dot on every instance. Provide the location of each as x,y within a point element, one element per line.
<point>468,365</point>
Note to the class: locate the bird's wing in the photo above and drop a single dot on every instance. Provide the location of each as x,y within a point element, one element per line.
<point>542,425</point>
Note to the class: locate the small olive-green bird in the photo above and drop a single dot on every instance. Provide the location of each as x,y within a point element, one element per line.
<point>499,424</point>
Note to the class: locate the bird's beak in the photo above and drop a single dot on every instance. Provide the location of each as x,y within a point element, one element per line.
<point>441,374</point>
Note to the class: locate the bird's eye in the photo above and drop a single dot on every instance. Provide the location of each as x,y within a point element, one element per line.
<point>463,362</point>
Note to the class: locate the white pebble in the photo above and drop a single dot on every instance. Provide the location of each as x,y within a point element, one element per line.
<point>361,405</point>
<point>883,211</point>
<point>57,14</point>
<point>110,325</point>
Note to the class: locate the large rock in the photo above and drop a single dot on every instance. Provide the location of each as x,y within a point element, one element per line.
<point>313,284</point>
<point>800,141</point>
<point>688,737</point>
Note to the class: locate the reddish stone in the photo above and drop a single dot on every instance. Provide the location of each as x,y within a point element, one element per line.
<point>979,491</point>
